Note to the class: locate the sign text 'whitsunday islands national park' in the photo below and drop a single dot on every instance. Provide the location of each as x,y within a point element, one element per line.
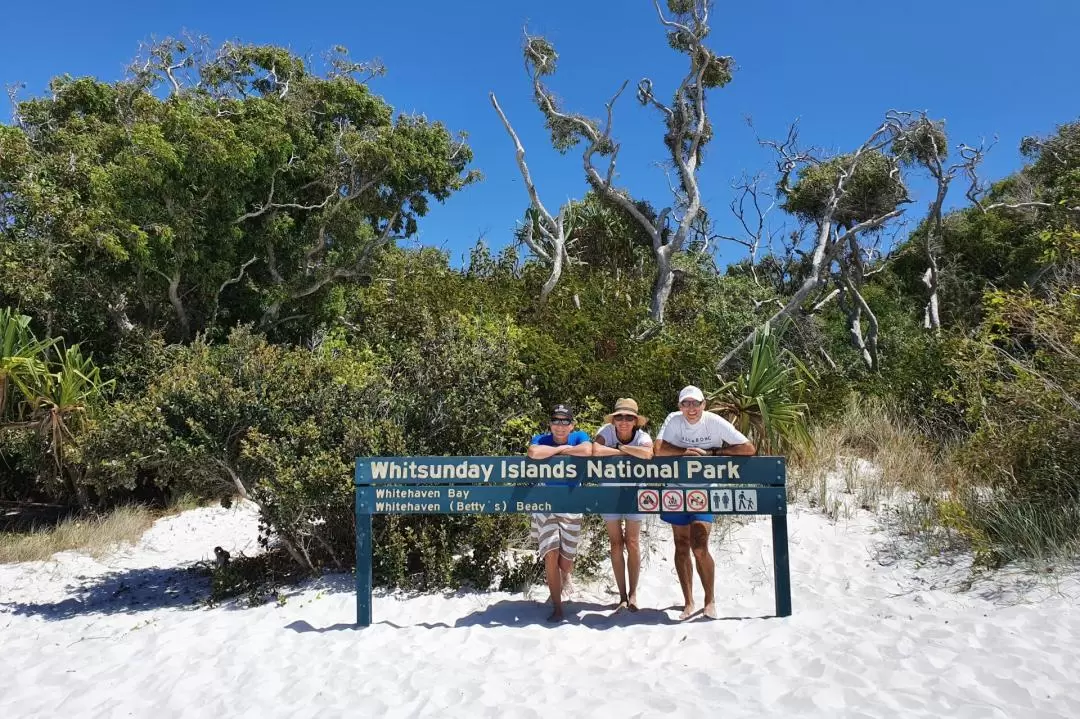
<point>580,469</point>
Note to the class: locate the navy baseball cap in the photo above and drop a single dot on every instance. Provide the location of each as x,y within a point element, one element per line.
<point>562,411</point>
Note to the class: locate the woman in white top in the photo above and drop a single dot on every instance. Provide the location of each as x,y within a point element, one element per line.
<point>623,435</point>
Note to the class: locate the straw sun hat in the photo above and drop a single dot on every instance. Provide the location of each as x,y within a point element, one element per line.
<point>625,405</point>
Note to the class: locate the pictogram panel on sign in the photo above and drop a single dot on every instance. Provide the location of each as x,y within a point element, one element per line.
<point>697,500</point>
<point>745,500</point>
<point>672,500</point>
<point>720,500</point>
<point>648,500</point>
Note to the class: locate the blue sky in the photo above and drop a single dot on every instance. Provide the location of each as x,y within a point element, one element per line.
<point>991,69</point>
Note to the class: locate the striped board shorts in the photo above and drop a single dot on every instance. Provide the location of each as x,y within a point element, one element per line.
<point>556,531</point>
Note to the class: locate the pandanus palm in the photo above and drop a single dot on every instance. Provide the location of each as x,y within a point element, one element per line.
<point>21,356</point>
<point>61,399</point>
<point>60,402</point>
<point>765,401</point>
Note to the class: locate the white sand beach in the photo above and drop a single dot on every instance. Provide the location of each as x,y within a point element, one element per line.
<point>121,637</point>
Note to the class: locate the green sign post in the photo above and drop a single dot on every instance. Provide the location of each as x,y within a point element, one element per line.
<point>599,485</point>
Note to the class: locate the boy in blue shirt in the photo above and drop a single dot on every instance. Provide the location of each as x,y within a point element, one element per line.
<point>559,532</point>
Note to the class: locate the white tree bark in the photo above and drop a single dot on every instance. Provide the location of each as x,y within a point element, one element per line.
<point>825,252</point>
<point>829,243</point>
<point>687,131</point>
<point>551,246</point>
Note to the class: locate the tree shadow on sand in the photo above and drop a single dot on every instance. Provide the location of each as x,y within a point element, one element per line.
<point>523,613</point>
<point>122,592</point>
<point>530,613</point>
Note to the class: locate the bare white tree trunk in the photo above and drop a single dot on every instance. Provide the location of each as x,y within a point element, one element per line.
<point>855,308</point>
<point>687,132</point>
<point>934,231</point>
<point>830,244</point>
<point>870,342</point>
<point>556,273</point>
<point>931,313</point>
<point>178,304</point>
<point>665,278</point>
<point>551,246</point>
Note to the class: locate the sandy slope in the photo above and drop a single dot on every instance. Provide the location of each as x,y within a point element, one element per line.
<point>122,638</point>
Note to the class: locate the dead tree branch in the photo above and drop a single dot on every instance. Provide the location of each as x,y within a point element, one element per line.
<point>687,132</point>
<point>13,98</point>
<point>551,247</point>
<point>978,190</point>
<point>754,220</point>
<point>226,283</point>
<point>825,252</point>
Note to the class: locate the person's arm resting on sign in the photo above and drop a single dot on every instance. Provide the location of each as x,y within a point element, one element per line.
<point>539,451</point>
<point>746,449</point>
<point>735,443</point>
<point>600,449</point>
<point>666,449</point>
<point>562,437</point>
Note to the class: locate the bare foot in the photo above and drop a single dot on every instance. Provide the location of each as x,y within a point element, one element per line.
<point>632,603</point>
<point>620,606</point>
<point>710,611</point>
<point>556,616</point>
<point>688,611</point>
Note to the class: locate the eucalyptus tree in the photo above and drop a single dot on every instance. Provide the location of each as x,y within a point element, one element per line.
<point>844,200</point>
<point>686,133</point>
<point>210,187</point>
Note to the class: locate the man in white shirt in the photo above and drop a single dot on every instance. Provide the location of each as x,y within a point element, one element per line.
<point>694,432</point>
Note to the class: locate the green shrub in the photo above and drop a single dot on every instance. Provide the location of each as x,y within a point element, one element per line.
<point>284,426</point>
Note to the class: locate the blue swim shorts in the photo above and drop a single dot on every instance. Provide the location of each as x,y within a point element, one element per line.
<point>681,520</point>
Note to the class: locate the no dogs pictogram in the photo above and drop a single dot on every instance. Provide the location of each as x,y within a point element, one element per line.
<point>697,500</point>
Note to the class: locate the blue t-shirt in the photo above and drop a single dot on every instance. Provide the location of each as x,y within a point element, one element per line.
<point>547,439</point>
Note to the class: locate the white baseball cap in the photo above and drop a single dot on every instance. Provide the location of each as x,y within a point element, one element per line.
<point>691,392</point>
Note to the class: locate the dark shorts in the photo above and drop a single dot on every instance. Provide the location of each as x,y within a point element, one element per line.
<point>681,519</point>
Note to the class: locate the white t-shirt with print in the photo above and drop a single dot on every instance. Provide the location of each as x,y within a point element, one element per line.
<point>710,432</point>
<point>641,438</point>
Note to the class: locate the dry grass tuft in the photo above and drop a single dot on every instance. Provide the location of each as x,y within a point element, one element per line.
<point>870,456</point>
<point>94,535</point>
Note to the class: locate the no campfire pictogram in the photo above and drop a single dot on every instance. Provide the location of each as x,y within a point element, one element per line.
<point>697,500</point>
<point>648,500</point>
<point>672,500</point>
